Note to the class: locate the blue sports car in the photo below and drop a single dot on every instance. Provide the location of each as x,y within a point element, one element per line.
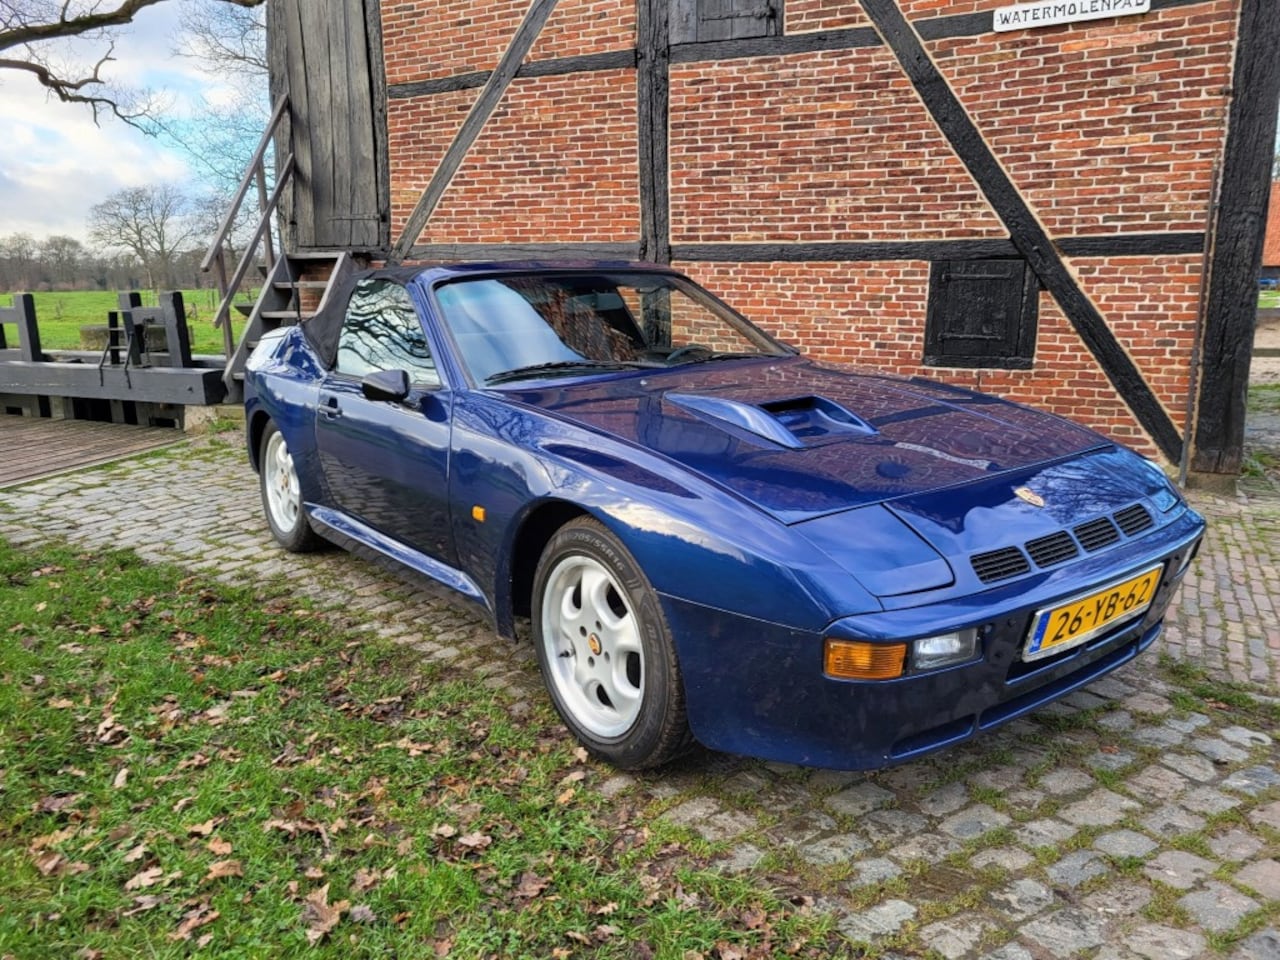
<point>712,536</point>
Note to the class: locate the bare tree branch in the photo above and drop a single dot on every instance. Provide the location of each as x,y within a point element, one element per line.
<point>30,25</point>
<point>23,25</point>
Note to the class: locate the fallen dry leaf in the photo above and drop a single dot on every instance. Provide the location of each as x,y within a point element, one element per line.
<point>136,854</point>
<point>198,916</point>
<point>531,885</point>
<point>362,914</point>
<point>52,804</point>
<point>143,903</point>
<point>224,868</point>
<point>203,829</point>
<point>366,880</point>
<point>121,778</point>
<point>320,915</point>
<point>110,732</point>
<point>147,878</point>
<point>218,847</point>
<point>475,841</point>
<point>60,703</point>
<point>48,864</point>
<point>565,797</point>
<point>53,839</point>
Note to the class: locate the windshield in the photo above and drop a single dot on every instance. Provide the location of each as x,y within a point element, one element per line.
<point>539,325</point>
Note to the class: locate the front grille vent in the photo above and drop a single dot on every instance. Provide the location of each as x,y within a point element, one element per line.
<point>1097,534</point>
<point>1133,520</point>
<point>1000,564</point>
<point>1047,551</point>
<point>1055,548</point>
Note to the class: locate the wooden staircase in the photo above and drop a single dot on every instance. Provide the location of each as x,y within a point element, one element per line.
<point>296,285</point>
<point>295,289</point>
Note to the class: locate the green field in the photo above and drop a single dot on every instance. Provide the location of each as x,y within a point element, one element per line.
<point>1269,298</point>
<point>61,315</point>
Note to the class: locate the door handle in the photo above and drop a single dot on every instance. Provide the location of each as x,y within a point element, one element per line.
<point>330,409</point>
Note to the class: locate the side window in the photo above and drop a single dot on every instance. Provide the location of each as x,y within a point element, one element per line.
<point>981,313</point>
<point>381,331</point>
<point>698,21</point>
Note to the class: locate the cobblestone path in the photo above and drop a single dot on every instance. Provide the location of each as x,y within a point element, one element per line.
<point>1136,819</point>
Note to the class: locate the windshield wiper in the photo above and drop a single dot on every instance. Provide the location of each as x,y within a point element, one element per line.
<point>561,368</point>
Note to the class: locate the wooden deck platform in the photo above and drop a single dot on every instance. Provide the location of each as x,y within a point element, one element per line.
<point>33,447</point>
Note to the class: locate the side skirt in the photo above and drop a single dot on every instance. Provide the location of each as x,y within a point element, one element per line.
<point>396,558</point>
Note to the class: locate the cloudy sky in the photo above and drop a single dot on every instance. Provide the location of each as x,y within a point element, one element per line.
<point>55,164</point>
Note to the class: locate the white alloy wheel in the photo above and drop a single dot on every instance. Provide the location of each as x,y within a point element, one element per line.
<point>284,498</point>
<point>282,494</point>
<point>592,647</point>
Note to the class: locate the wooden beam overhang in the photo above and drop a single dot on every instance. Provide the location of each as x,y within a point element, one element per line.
<point>1025,230</point>
<point>494,90</point>
<point>1231,303</point>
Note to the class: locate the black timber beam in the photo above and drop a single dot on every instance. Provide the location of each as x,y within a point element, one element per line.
<point>556,67</point>
<point>653,99</point>
<point>494,90</point>
<point>524,251</point>
<point>1231,301</point>
<point>1025,229</point>
<point>176,385</point>
<point>1115,245</point>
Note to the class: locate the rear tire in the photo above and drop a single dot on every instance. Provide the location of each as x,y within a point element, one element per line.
<point>605,649</point>
<point>281,494</point>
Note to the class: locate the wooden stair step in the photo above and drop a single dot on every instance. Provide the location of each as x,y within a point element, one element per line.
<point>300,284</point>
<point>287,314</point>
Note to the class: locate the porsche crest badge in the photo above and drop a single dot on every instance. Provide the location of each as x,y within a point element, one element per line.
<point>1027,495</point>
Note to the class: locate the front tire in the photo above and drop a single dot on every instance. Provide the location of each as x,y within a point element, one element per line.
<point>605,649</point>
<point>282,495</point>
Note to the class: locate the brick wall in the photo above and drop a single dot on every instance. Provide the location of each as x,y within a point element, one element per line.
<point>1105,127</point>
<point>813,147</point>
<point>556,161</point>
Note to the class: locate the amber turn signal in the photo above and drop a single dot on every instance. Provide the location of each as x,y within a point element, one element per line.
<point>859,660</point>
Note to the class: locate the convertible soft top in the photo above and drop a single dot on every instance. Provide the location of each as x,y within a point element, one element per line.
<point>322,330</point>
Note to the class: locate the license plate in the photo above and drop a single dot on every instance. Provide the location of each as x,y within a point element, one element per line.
<point>1070,624</point>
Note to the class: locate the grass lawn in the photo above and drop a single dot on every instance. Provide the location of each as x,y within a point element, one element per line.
<point>61,315</point>
<point>1269,298</point>
<point>187,769</point>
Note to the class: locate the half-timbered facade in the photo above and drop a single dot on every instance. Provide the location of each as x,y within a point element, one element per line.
<point>1057,201</point>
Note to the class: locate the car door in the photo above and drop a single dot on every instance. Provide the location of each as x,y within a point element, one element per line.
<point>386,462</point>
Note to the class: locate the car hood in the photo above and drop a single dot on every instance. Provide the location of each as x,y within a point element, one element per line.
<point>800,440</point>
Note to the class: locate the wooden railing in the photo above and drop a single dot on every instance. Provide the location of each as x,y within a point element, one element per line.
<point>216,258</point>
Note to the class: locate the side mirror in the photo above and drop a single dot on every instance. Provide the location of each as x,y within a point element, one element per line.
<point>386,385</point>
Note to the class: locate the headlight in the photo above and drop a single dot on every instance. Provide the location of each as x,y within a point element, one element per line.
<point>1166,498</point>
<point>930,653</point>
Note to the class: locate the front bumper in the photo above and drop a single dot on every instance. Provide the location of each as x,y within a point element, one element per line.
<point>758,688</point>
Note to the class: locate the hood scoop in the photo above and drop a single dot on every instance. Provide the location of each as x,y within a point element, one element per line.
<point>794,423</point>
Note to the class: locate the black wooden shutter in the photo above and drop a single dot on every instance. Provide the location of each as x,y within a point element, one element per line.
<point>698,21</point>
<point>981,313</point>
